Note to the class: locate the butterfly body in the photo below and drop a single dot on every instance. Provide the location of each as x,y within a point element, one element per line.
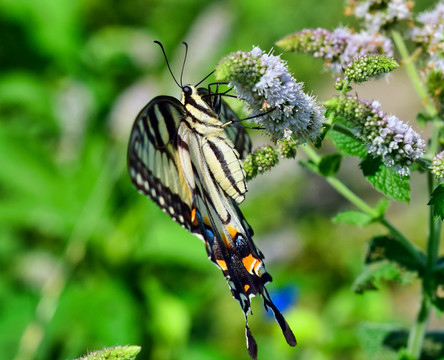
<point>186,160</point>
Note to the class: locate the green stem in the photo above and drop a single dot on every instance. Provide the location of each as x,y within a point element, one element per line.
<point>412,73</point>
<point>418,330</point>
<point>417,333</point>
<point>362,205</point>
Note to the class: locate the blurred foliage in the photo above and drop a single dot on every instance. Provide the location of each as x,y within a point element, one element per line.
<point>87,262</point>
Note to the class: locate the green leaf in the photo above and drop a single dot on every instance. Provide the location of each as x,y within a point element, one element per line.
<point>128,352</point>
<point>386,248</point>
<point>348,145</point>
<point>375,273</point>
<point>372,337</point>
<point>330,164</point>
<point>352,217</point>
<point>437,202</point>
<point>385,180</point>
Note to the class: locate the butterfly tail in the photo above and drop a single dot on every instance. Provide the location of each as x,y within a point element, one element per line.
<point>251,342</point>
<point>286,331</point>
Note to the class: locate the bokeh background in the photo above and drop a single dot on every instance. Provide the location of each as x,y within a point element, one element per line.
<point>86,262</point>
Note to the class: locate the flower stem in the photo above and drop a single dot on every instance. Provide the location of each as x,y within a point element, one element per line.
<point>412,73</point>
<point>417,332</point>
<point>341,188</point>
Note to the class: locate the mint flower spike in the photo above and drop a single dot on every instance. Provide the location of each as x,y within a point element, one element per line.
<point>367,66</point>
<point>430,34</point>
<point>380,14</point>
<point>337,48</point>
<point>437,167</point>
<point>264,82</point>
<point>386,136</point>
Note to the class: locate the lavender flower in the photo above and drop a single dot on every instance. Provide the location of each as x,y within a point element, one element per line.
<point>385,135</point>
<point>264,82</point>
<point>380,14</point>
<point>337,48</point>
<point>437,166</point>
<point>431,34</point>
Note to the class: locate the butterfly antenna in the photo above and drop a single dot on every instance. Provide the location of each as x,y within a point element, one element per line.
<point>166,59</point>
<point>206,77</point>
<point>184,61</point>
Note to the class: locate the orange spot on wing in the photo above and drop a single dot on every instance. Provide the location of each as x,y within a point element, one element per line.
<point>246,287</point>
<point>193,217</point>
<point>232,231</point>
<point>249,262</point>
<point>222,264</point>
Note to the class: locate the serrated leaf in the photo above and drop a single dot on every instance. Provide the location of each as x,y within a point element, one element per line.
<point>437,202</point>
<point>374,273</point>
<point>330,164</point>
<point>352,217</point>
<point>385,180</point>
<point>386,248</point>
<point>347,144</point>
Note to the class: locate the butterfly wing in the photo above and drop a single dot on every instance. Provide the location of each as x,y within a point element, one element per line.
<point>228,237</point>
<point>153,158</point>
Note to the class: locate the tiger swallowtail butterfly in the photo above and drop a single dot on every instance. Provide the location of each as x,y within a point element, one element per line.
<point>186,157</point>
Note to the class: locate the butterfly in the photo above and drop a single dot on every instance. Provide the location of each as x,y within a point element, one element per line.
<point>186,157</point>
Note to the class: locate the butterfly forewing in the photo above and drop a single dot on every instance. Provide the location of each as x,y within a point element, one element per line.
<point>153,158</point>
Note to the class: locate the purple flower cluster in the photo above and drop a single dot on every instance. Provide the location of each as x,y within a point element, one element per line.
<point>337,48</point>
<point>379,14</point>
<point>430,34</point>
<point>264,82</point>
<point>385,135</point>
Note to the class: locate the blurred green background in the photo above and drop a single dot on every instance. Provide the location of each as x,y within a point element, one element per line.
<point>86,262</point>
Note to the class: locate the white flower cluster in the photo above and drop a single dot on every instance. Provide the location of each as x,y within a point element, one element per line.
<point>337,48</point>
<point>265,83</point>
<point>386,136</point>
<point>431,35</point>
<point>376,16</point>
<point>396,142</point>
<point>437,166</point>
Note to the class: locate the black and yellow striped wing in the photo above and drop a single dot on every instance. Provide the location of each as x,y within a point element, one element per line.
<point>153,162</point>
